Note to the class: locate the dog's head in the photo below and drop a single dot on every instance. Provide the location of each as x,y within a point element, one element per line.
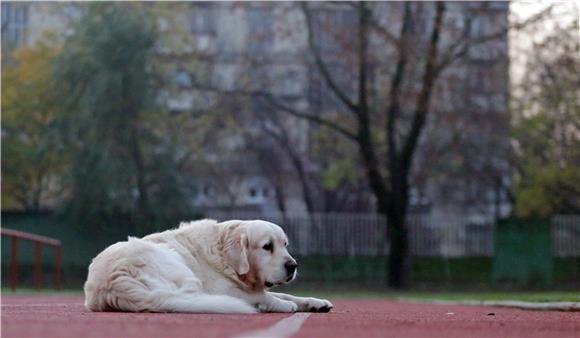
<point>257,251</point>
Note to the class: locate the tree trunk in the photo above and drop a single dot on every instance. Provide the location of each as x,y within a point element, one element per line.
<point>398,266</point>
<point>302,176</point>
<point>400,165</point>
<point>280,198</point>
<point>398,262</point>
<point>296,160</point>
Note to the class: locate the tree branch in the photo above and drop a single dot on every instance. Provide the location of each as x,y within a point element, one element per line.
<point>397,80</point>
<point>310,117</point>
<point>282,107</point>
<point>362,56</point>
<point>284,142</point>
<point>322,67</point>
<point>461,46</point>
<point>429,77</point>
<point>382,31</point>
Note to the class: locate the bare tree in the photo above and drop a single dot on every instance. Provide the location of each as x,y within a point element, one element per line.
<point>389,172</point>
<point>391,190</point>
<point>271,126</point>
<point>385,129</point>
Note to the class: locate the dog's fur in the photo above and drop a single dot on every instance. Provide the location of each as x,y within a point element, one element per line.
<point>202,266</point>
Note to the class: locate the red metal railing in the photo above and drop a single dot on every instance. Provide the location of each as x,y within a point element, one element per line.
<point>39,241</point>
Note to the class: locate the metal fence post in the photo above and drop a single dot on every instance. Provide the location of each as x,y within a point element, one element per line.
<point>37,264</point>
<point>14,264</point>
<point>57,267</point>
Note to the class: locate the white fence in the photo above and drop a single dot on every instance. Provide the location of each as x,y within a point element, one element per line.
<point>449,237</point>
<point>365,234</point>
<point>566,235</point>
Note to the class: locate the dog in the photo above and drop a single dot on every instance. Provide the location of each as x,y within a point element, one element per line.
<point>200,267</point>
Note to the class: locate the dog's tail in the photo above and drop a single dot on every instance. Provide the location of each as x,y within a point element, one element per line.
<point>203,303</point>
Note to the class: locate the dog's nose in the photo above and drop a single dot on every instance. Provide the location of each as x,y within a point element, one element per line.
<point>290,266</point>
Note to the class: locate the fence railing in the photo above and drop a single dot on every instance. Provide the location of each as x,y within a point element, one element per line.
<point>566,235</point>
<point>38,241</point>
<point>449,236</point>
<point>365,234</point>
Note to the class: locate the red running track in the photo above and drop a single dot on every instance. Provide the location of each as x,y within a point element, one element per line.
<point>50,316</point>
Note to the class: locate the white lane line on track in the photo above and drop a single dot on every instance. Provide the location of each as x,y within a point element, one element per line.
<point>286,327</point>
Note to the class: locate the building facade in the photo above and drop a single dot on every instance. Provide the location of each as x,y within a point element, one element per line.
<point>255,47</point>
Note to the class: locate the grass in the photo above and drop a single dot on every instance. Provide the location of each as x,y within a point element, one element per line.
<point>539,296</point>
<point>555,296</point>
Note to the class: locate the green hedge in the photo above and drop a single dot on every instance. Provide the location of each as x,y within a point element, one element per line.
<point>371,270</point>
<point>430,272</point>
<point>567,271</point>
<point>81,246</point>
<point>523,252</point>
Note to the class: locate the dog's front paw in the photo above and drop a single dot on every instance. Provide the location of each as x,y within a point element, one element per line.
<point>316,305</point>
<point>290,307</point>
<point>278,306</point>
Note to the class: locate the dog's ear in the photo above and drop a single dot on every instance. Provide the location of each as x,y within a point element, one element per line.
<point>234,247</point>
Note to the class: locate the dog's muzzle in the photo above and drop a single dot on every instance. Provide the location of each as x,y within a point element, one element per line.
<point>290,267</point>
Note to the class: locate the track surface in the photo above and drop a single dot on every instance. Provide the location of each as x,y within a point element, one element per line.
<point>49,316</point>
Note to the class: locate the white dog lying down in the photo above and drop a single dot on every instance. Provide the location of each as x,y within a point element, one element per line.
<point>202,266</point>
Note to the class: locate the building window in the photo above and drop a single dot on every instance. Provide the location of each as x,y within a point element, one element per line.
<point>320,96</point>
<point>479,26</point>
<point>205,190</point>
<point>335,30</point>
<point>200,19</point>
<point>182,79</point>
<point>260,26</point>
<point>253,192</point>
<point>421,20</point>
<point>14,24</point>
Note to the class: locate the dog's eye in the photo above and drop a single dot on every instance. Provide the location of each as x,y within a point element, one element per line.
<point>268,247</point>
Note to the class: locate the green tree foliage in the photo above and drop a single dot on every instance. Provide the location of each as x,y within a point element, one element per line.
<point>31,164</point>
<point>547,127</point>
<point>121,169</point>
